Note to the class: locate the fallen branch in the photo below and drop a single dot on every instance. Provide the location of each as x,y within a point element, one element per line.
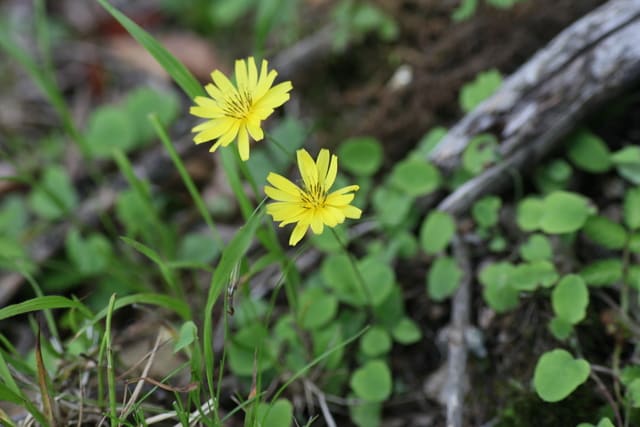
<point>454,389</point>
<point>590,62</point>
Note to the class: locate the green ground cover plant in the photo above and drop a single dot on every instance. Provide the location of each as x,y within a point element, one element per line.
<point>235,305</point>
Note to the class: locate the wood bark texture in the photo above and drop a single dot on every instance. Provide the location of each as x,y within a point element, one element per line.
<point>590,62</point>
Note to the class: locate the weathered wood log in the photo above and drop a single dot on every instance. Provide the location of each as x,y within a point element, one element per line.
<point>590,62</point>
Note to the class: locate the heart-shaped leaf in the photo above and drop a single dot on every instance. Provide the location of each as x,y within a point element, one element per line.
<point>558,374</point>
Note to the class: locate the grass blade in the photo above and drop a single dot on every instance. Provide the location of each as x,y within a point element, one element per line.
<point>42,303</point>
<point>170,63</point>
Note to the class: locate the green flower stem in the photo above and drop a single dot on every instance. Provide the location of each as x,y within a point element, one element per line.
<point>354,265</point>
<point>186,179</point>
<point>229,164</point>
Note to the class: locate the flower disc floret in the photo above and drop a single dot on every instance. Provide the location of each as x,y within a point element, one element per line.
<point>235,112</point>
<point>311,205</point>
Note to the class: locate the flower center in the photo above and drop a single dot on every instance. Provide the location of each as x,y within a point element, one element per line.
<point>315,196</point>
<point>238,105</point>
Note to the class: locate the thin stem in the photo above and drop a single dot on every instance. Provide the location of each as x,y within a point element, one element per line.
<point>186,178</point>
<point>354,265</point>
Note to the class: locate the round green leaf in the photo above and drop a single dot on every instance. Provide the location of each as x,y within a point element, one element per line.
<point>536,248</point>
<point>90,255</point>
<point>375,342</point>
<point>365,414</point>
<point>429,141</point>
<point>605,232</point>
<point>391,205</point>
<point>528,276</point>
<point>443,278</point>
<point>482,87</point>
<point>187,335</point>
<point>552,176</point>
<point>277,414</point>
<point>316,307</point>
<point>378,278</point>
<point>570,299</point>
<point>627,161</point>
<point>198,248</point>
<point>560,328</point>
<point>361,156</point>
<point>406,331</point>
<point>480,153</point>
<point>633,391</point>
<point>372,382</point>
<point>498,291</point>
<point>632,208</point>
<point>326,338</point>
<point>250,348</point>
<point>588,152</point>
<point>55,196</point>
<point>603,272</point>
<point>339,274</point>
<point>144,101</point>
<point>558,374</point>
<point>415,177</point>
<point>529,214</point>
<point>564,212</point>
<point>436,232</point>
<point>110,127</point>
<point>485,211</point>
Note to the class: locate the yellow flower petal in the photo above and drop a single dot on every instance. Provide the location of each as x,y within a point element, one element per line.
<point>241,106</point>
<point>243,143</point>
<point>284,184</point>
<point>298,232</point>
<point>308,169</point>
<point>322,165</point>
<point>331,173</point>
<point>351,212</point>
<point>279,195</point>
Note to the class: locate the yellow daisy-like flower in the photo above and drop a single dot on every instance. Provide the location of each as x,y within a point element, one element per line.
<point>311,206</point>
<point>236,111</point>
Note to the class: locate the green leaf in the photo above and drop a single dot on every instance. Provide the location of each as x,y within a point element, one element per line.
<point>484,85</point>
<point>570,299</point>
<point>529,214</point>
<point>498,291</point>
<point>632,208</point>
<point>552,176</point>
<point>443,278</point>
<point>633,392</point>
<point>144,101</point>
<point>366,414</point>
<point>110,128</point>
<point>465,11</point>
<point>41,303</point>
<point>564,212</point>
<point>436,232</point>
<point>415,177</point>
<point>372,382</point>
<point>406,331</point>
<point>327,242</point>
<point>198,247</point>
<point>480,153</point>
<point>276,414</point>
<point>528,276</point>
<point>13,216</point>
<point>634,243</point>
<point>316,307</point>
<point>536,248</point>
<point>90,255</point>
<point>588,152</point>
<point>188,335</point>
<point>250,348</point>
<point>375,342</point>
<point>633,277</point>
<point>391,206</point>
<point>486,211</point>
<point>560,328</point>
<point>361,156</point>
<point>558,374</point>
<point>602,273</point>
<point>428,142</point>
<point>226,13</point>
<point>376,283</point>
<point>328,337</point>
<point>605,232</point>
<point>175,68</point>
<point>627,162</point>
<point>55,197</point>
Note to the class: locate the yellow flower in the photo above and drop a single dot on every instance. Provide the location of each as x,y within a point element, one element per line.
<point>236,111</point>
<point>311,206</point>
